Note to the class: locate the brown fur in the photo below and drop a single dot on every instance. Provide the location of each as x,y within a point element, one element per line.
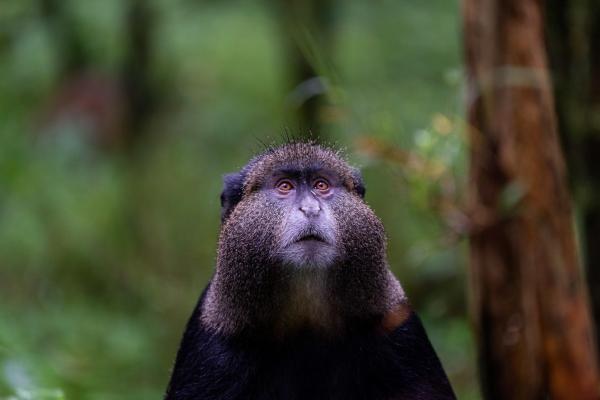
<point>395,317</point>
<point>250,290</point>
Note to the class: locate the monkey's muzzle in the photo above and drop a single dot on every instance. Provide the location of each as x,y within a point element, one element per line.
<point>309,246</point>
<point>311,235</point>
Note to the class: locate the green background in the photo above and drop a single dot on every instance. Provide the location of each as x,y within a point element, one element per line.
<point>103,253</point>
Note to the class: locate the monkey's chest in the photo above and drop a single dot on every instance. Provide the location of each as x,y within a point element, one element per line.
<point>306,368</point>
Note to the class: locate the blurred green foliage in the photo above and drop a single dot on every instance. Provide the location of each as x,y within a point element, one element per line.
<point>103,253</point>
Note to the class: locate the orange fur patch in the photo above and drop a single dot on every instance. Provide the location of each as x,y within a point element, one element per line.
<point>396,317</point>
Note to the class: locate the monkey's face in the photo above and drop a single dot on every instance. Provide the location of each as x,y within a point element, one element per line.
<point>307,234</point>
<point>288,218</point>
<point>299,205</point>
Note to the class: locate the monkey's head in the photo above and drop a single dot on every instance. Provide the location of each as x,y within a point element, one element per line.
<point>303,201</point>
<point>297,211</point>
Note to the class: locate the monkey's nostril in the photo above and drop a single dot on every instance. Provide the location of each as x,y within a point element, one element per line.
<point>310,210</point>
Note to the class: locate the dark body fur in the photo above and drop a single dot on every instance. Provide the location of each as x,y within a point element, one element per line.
<point>271,327</point>
<point>366,363</point>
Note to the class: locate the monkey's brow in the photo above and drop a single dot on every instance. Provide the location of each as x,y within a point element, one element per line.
<point>294,172</point>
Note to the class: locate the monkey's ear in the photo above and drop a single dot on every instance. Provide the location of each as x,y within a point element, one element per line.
<point>233,189</point>
<point>359,186</point>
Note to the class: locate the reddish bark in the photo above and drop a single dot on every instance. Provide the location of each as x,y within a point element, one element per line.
<point>529,300</point>
<point>572,28</point>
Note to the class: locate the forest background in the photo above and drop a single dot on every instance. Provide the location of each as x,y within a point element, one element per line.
<point>118,121</point>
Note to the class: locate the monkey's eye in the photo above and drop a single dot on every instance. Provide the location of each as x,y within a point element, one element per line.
<point>284,186</point>
<point>321,185</point>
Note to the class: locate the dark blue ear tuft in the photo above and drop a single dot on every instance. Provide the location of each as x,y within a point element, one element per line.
<point>233,187</point>
<point>361,190</point>
<point>359,186</point>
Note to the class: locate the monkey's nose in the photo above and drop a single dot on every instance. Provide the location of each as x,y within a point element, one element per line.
<point>310,207</point>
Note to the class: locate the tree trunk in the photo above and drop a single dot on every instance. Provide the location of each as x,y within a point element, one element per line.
<point>573,29</point>
<point>529,300</point>
<point>306,26</point>
<point>140,89</point>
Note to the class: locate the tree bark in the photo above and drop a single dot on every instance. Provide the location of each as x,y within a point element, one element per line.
<point>529,301</point>
<point>140,89</point>
<point>306,26</point>
<point>572,29</point>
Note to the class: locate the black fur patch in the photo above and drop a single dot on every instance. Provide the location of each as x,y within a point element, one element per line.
<point>233,189</point>
<point>361,364</point>
<point>359,185</point>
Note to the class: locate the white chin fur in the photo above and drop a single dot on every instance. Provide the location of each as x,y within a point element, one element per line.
<point>309,253</point>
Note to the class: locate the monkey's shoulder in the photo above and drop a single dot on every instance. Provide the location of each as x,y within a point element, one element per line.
<point>388,362</point>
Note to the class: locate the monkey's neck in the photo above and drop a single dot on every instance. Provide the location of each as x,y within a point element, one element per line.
<point>323,300</point>
<point>306,303</point>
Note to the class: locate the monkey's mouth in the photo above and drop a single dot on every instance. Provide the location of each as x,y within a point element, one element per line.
<point>311,238</point>
<point>310,247</point>
<point>311,235</point>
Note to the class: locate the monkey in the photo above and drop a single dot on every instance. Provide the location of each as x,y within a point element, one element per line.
<point>302,303</point>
